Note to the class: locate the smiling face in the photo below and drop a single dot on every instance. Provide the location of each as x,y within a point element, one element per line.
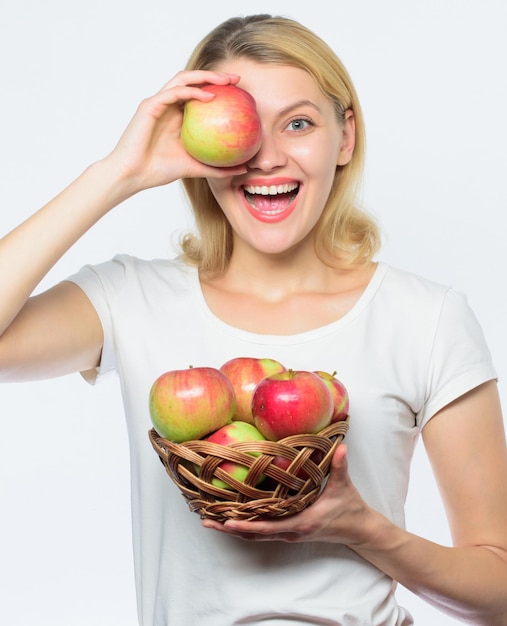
<point>274,207</point>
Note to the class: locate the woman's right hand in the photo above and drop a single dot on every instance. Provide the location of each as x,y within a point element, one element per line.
<point>59,331</point>
<point>150,152</point>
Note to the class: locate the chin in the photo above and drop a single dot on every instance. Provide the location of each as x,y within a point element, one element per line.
<point>280,247</point>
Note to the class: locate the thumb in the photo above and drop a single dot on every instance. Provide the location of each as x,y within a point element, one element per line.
<point>338,478</point>
<point>339,464</point>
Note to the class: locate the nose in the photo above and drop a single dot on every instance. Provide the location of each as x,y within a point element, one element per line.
<point>270,155</point>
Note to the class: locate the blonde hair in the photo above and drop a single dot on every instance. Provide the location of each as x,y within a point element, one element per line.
<point>345,233</point>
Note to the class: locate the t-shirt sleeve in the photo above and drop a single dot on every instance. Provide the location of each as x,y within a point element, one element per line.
<point>98,283</point>
<point>460,358</point>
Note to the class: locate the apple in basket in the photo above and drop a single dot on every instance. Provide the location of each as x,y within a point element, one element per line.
<point>283,463</point>
<point>222,132</point>
<point>245,373</point>
<point>191,403</point>
<point>235,432</point>
<point>291,403</point>
<point>339,393</point>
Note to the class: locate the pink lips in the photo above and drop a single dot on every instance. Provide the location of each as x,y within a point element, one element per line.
<point>270,201</point>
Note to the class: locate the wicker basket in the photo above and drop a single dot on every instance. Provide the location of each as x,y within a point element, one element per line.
<point>268,490</point>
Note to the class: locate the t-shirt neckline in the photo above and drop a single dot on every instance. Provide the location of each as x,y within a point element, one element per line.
<point>315,333</point>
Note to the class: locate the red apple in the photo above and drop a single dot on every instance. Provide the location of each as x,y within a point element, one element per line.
<point>245,373</point>
<point>191,403</point>
<point>291,403</point>
<point>339,393</point>
<point>283,463</point>
<point>222,132</point>
<point>234,432</point>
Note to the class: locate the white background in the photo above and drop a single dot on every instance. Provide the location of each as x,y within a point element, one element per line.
<point>431,77</point>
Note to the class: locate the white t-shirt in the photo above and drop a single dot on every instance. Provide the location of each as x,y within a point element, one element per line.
<point>406,349</point>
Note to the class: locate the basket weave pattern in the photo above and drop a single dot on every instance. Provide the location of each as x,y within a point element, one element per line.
<point>268,490</point>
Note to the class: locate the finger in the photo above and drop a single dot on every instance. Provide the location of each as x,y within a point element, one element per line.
<point>232,526</point>
<point>176,94</point>
<point>173,94</point>
<point>209,523</point>
<point>338,477</point>
<point>339,463</point>
<point>263,528</point>
<point>154,107</point>
<point>223,528</point>
<point>224,172</point>
<point>200,77</point>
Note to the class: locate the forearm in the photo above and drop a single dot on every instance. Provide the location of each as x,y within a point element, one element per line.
<point>29,251</point>
<point>469,583</point>
<point>149,154</point>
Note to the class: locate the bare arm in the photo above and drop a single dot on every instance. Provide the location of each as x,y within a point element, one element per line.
<point>58,331</point>
<point>466,446</point>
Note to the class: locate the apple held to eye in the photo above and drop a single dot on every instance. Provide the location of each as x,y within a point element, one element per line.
<point>245,373</point>
<point>291,403</point>
<point>222,132</point>
<point>191,403</point>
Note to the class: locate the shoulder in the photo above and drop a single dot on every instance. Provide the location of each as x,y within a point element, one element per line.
<point>125,279</point>
<point>125,269</point>
<point>396,278</point>
<point>412,299</point>
<point>409,290</point>
<point>132,265</point>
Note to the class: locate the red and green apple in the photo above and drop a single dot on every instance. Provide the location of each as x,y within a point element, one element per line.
<point>245,373</point>
<point>234,432</point>
<point>222,132</point>
<point>339,393</point>
<point>191,403</point>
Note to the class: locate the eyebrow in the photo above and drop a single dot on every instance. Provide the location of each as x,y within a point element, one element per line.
<point>299,103</point>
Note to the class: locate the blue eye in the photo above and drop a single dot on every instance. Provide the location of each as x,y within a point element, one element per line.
<point>299,124</point>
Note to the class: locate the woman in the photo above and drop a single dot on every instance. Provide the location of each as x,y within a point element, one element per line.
<point>283,267</point>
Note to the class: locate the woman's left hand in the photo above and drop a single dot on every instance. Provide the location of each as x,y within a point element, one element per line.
<point>339,515</point>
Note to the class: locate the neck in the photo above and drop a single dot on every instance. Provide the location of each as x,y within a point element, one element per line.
<point>267,294</point>
<point>273,277</point>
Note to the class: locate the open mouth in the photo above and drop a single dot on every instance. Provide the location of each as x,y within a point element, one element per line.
<point>271,199</point>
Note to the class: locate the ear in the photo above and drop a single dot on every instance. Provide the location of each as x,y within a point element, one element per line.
<point>348,139</point>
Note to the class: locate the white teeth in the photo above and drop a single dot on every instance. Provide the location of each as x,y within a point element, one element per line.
<point>272,190</point>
